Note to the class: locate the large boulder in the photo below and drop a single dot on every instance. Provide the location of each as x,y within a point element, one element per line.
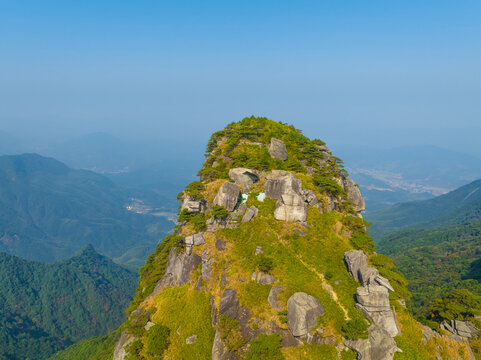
<point>228,196</point>
<point>302,313</point>
<point>177,271</point>
<point>244,177</point>
<point>291,208</point>
<point>277,149</point>
<point>378,346</point>
<point>358,267</point>
<point>250,214</point>
<point>373,297</point>
<point>373,302</point>
<point>354,194</point>
<point>280,182</point>
<point>192,205</point>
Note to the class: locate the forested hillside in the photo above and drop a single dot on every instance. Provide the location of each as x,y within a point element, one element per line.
<point>46,307</point>
<point>456,207</point>
<point>48,211</point>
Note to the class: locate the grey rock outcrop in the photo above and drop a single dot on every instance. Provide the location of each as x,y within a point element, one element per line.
<point>302,313</point>
<point>291,208</point>
<point>177,271</point>
<point>309,197</point>
<point>244,177</point>
<point>262,278</point>
<point>280,182</point>
<point>191,339</point>
<point>356,261</point>
<point>228,196</point>
<point>465,329</point>
<point>124,340</point>
<point>258,250</point>
<point>354,194</point>
<point>378,346</point>
<point>219,350</point>
<point>373,302</point>
<point>192,205</point>
<point>287,339</point>
<point>193,240</point>
<point>277,149</point>
<point>273,298</point>
<point>230,306</point>
<point>250,214</point>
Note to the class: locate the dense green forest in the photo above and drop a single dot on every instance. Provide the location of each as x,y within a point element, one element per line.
<point>436,261</point>
<point>456,207</point>
<point>46,307</point>
<point>48,211</point>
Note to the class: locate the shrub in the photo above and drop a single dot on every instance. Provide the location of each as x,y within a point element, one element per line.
<point>219,212</point>
<point>133,350</point>
<point>362,241</point>
<point>265,264</point>
<point>158,340</point>
<point>265,347</point>
<point>230,333</point>
<point>355,329</point>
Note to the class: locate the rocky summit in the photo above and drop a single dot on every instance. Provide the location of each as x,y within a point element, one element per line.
<point>271,259</point>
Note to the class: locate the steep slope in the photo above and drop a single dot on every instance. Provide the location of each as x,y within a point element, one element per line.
<point>46,307</point>
<point>271,260</point>
<point>456,207</point>
<point>48,211</point>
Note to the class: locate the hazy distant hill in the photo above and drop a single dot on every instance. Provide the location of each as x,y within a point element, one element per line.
<point>48,211</point>
<point>456,207</point>
<point>390,176</point>
<point>46,307</point>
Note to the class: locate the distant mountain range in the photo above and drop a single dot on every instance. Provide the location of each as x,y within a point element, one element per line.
<point>48,211</point>
<point>403,174</point>
<point>46,307</point>
<point>456,207</point>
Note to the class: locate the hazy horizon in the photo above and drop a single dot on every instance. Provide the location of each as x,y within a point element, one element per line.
<point>365,73</point>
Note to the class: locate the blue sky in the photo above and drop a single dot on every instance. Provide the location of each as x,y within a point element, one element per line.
<point>359,72</point>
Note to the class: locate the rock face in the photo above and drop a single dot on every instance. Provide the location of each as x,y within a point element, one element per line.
<point>250,214</point>
<point>192,205</point>
<point>277,149</point>
<point>279,182</point>
<point>291,207</point>
<point>272,299</point>
<point>354,194</point>
<point>378,346</point>
<point>302,313</point>
<point>228,196</point>
<point>464,329</point>
<point>119,351</point>
<point>230,306</point>
<point>244,177</point>
<point>373,302</point>
<point>358,267</point>
<point>193,240</point>
<point>178,270</point>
